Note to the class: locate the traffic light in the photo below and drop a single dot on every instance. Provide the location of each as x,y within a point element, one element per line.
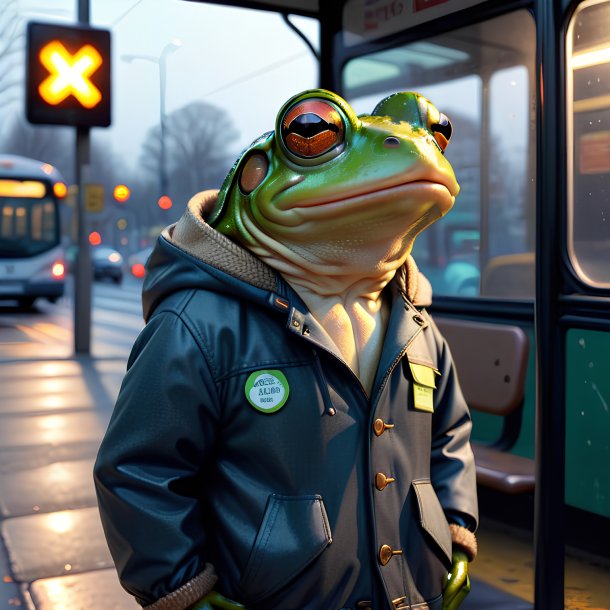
<point>95,239</point>
<point>165,202</point>
<point>121,193</point>
<point>68,75</point>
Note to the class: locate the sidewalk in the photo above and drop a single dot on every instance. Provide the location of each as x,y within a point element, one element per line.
<point>53,414</point>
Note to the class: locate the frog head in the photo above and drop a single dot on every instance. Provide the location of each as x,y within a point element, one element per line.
<point>331,193</point>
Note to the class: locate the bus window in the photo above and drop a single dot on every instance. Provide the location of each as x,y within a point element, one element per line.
<point>482,77</point>
<point>588,117</point>
<point>27,227</point>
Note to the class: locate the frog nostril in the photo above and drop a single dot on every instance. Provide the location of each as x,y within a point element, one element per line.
<point>391,142</point>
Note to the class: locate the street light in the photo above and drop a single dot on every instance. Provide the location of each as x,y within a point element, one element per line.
<point>161,61</point>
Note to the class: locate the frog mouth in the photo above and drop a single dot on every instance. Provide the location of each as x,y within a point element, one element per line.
<point>421,191</point>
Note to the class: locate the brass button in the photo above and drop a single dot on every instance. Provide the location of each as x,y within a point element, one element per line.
<point>296,323</point>
<point>364,606</point>
<point>379,427</point>
<point>332,411</point>
<point>399,602</point>
<point>381,481</point>
<point>386,553</point>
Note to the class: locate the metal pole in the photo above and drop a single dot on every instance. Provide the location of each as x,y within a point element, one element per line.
<point>549,517</point>
<point>162,75</point>
<point>82,278</point>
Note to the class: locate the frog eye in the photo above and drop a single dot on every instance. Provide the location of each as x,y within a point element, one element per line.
<point>253,172</point>
<point>442,131</point>
<point>311,128</point>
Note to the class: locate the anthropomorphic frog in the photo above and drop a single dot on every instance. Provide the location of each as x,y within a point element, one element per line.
<point>290,433</point>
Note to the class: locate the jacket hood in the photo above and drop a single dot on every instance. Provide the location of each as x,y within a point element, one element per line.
<point>191,254</point>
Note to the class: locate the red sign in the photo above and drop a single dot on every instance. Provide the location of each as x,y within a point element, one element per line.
<point>422,5</point>
<point>594,153</point>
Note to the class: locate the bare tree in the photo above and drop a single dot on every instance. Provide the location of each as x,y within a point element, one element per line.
<point>196,143</point>
<point>12,45</point>
<point>54,145</point>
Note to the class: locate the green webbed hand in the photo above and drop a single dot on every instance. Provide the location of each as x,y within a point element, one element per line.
<point>457,583</point>
<point>214,601</point>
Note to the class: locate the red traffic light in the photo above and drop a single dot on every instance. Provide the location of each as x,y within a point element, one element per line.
<point>95,239</point>
<point>165,202</point>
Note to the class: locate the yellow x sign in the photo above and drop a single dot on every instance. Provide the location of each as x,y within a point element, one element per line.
<point>70,74</point>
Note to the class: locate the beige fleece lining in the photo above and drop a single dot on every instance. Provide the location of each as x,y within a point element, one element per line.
<point>192,234</point>
<point>189,593</point>
<point>464,539</point>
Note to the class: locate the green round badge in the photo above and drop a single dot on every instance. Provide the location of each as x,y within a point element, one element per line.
<point>267,391</point>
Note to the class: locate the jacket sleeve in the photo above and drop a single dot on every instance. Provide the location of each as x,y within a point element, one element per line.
<point>150,468</point>
<point>452,462</point>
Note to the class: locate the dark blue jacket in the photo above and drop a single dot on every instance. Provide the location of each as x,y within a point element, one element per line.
<point>335,498</point>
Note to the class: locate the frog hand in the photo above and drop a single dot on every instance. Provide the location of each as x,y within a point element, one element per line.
<point>215,601</point>
<point>457,583</point>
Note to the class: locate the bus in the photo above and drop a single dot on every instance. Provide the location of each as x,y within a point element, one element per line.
<point>523,259</point>
<point>31,253</point>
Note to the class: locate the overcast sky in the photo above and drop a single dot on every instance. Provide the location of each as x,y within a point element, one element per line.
<point>248,62</point>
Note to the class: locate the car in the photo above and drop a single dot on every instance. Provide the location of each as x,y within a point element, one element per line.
<point>107,264</point>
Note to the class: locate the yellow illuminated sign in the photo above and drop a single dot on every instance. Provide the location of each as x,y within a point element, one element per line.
<point>94,197</point>
<point>22,188</point>
<point>70,74</point>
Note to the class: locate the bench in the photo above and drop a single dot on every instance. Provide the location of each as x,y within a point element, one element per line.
<point>491,360</point>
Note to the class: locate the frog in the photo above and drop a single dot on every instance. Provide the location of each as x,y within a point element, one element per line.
<point>333,201</point>
<point>297,277</point>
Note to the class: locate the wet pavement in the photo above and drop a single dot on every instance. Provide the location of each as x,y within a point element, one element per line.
<point>54,409</point>
<point>53,414</point>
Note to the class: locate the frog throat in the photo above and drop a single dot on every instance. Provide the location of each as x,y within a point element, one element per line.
<point>195,236</point>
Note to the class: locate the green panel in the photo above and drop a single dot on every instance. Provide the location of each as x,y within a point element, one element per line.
<point>486,428</point>
<point>588,420</point>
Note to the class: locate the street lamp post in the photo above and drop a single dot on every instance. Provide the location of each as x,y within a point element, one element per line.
<point>161,61</point>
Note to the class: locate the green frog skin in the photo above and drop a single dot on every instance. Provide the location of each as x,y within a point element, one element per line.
<point>333,201</point>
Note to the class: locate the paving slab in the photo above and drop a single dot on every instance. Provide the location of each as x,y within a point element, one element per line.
<point>55,544</point>
<point>10,596</point>
<point>53,429</point>
<point>98,590</point>
<point>48,488</point>
<point>9,334</point>
<point>62,367</point>
<point>57,386</point>
<point>45,395</point>
<point>33,351</point>
<point>14,459</point>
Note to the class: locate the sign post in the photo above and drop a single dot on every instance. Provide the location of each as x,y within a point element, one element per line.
<point>68,83</point>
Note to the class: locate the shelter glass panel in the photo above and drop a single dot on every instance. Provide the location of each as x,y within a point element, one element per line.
<point>481,76</point>
<point>588,131</point>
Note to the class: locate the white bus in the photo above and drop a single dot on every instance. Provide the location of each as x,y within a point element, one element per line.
<point>31,255</point>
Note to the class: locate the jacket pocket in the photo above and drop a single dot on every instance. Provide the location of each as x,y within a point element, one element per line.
<point>432,517</point>
<point>293,533</point>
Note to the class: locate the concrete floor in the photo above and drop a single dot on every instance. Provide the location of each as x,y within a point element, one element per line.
<point>506,561</point>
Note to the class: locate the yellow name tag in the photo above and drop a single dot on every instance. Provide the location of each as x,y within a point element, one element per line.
<point>423,387</point>
<point>423,398</point>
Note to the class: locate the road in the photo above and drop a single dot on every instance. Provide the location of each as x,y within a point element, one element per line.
<point>54,409</point>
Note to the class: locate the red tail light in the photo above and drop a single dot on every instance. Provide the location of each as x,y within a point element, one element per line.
<point>58,270</point>
<point>138,270</point>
